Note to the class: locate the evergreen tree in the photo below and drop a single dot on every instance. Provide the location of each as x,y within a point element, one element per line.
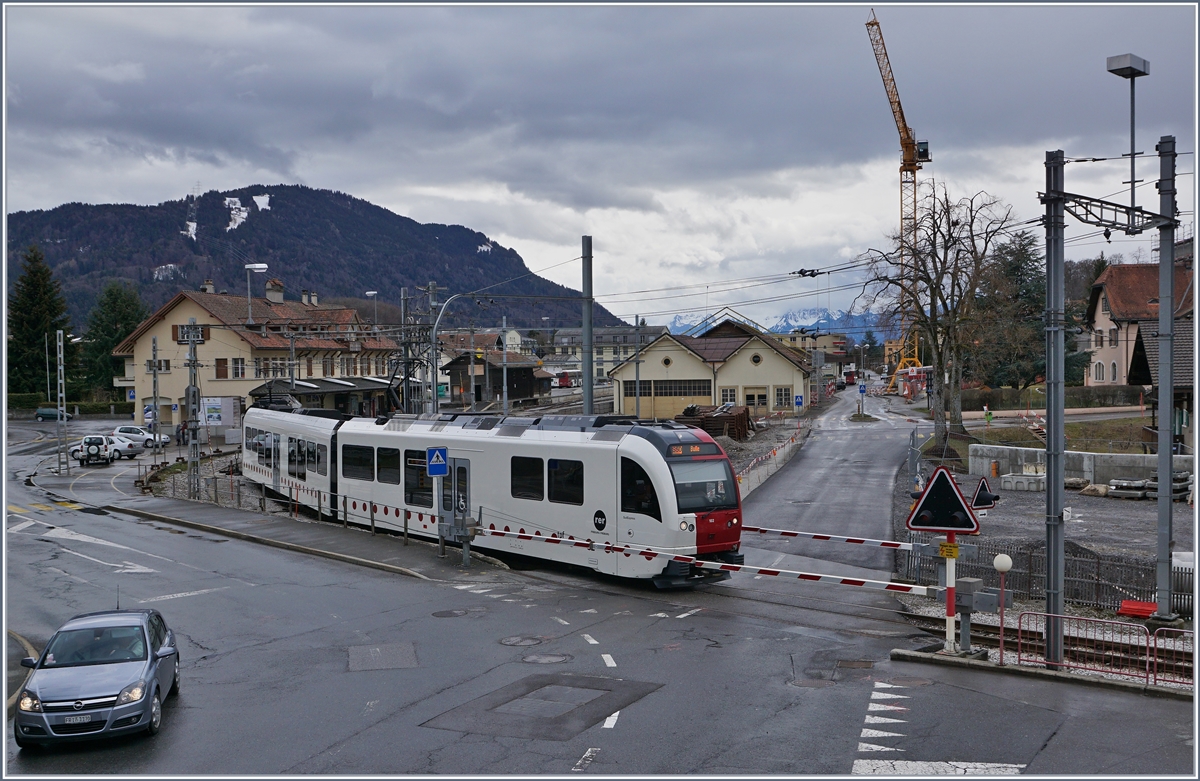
<point>116,314</point>
<point>36,308</point>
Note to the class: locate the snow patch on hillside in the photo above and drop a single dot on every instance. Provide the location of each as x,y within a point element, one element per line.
<point>237,212</point>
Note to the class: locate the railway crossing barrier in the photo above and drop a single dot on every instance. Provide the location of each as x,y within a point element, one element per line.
<point>650,553</point>
<point>831,538</point>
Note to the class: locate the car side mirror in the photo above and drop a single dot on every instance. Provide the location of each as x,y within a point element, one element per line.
<point>29,661</point>
<point>164,652</point>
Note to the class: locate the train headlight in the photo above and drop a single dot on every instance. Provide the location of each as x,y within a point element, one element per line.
<point>683,526</point>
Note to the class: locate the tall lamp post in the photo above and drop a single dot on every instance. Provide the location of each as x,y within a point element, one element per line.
<point>373,295</point>
<point>1130,66</point>
<point>257,268</point>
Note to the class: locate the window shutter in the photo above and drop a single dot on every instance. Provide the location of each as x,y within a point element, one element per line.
<point>222,365</point>
<point>204,333</point>
<point>175,333</point>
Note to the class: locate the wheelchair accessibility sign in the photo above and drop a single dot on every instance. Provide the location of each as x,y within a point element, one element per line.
<point>436,464</point>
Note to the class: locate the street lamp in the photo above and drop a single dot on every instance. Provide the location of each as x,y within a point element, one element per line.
<point>1002,563</point>
<point>257,268</point>
<point>1130,66</point>
<point>371,294</point>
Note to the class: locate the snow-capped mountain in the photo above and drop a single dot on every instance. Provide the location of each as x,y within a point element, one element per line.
<point>851,324</point>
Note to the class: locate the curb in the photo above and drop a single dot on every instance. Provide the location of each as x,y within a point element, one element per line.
<point>29,650</point>
<point>904,655</point>
<point>268,541</point>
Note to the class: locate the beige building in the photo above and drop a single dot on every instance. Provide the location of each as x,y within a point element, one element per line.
<point>235,356</point>
<point>729,363</point>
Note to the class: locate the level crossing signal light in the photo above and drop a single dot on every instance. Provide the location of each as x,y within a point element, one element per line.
<point>941,507</point>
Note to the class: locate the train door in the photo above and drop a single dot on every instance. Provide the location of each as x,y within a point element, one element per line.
<point>275,462</point>
<point>456,492</point>
<point>641,519</point>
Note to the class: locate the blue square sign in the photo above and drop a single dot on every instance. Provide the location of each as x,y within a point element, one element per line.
<point>862,389</point>
<point>436,462</point>
<point>799,400</point>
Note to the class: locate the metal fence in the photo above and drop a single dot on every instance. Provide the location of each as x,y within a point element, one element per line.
<point>1089,579</point>
<point>1172,656</point>
<point>1112,647</point>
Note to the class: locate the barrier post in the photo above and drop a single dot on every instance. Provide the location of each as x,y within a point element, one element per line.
<point>406,514</point>
<point>372,517</point>
<point>320,516</point>
<point>345,514</point>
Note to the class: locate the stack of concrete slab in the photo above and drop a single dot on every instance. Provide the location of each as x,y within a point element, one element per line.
<point>1180,483</point>
<point>1127,489</point>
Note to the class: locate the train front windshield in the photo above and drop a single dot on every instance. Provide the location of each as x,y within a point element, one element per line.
<point>701,486</point>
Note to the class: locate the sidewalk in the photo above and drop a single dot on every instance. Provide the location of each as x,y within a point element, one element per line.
<point>1016,413</point>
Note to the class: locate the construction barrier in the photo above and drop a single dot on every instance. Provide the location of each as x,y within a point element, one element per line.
<point>1092,644</point>
<point>1172,661</point>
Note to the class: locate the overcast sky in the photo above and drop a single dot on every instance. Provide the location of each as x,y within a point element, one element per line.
<point>695,144</point>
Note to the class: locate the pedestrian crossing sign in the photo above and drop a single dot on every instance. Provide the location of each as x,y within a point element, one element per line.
<point>436,463</point>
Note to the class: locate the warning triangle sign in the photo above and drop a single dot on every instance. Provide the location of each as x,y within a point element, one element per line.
<point>436,459</point>
<point>983,499</point>
<point>942,507</point>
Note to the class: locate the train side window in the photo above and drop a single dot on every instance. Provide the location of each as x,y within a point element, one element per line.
<point>527,481</point>
<point>322,460</point>
<point>418,486</point>
<point>247,437</point>
<point>298,457</point>
<point>274,457</point>
<point>387,468</point>
<point>291,451</point>
<point>565,481</point>
<point>311,457</point>
<point>358,462</point>
<point>637,492</point>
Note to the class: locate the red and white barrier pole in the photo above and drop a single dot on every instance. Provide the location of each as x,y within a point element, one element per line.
<point>831,538</point>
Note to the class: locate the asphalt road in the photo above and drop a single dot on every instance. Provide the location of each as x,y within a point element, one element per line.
<point>294,664</point>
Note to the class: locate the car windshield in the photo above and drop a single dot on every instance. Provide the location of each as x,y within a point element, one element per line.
<point>701,486</point>
<point>99,645</point>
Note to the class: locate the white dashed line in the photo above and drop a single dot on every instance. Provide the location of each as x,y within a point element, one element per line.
<point>591,640</point>
<point>585,760</point>
<point>480,590</point>
<point>611,721</point>
<point>589,610</point>
<point>559,620</point>
<point>659,615</point>
<point>469,585</point>
<point>895,767</point>
<point>184,594</point>
<point>608,660</point>
<point>689,613</point>
<point>20,526</point>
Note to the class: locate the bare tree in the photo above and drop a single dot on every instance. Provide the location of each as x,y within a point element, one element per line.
<point>934,285</point>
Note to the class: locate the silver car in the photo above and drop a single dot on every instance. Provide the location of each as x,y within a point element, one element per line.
<point>143,435</point>
<point>101,674</point>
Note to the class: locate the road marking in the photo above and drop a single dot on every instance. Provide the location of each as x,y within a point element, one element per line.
<point>44,507</point>
<point>184,594</point>
<point>20,526</point>
<point>884,720</point>
<point>113,481</point>
<point>585,760</point>
<point>689,613</point>
<point>589,610</point>
<point>480,590</point>
<point>622,613</point>
<point>370,706</point>
<point>124,568</point>
<point>512,600</point>
<point>12,508</point>
<point>591,640</point>
<point>775,563</point>
<point>469,585</point>
<point>72,577</point>
<point>881,706</point>
<point>608,660</point>
<point>878,733</point>
<point>895,767</point>
<point>611,721</point>
<point>882,685</point>
<point>496,596</point>
<point>559,620</point>
<point>886,696</point>
<point>873,747</point>
<point>69,505</point>
<point>659,615</point>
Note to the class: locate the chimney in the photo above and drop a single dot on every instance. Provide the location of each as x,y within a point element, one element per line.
<point>275,291</point>
<point>303,296</point>
<point>208,287</point>
<point>312,297</point>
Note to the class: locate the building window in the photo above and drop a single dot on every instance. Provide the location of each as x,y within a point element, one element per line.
<point>1103,303</point>
<point>683,388</point>
<point>1099,339</point>
<point>349,366</point>
<point>783,396</point>
<point>666,361</point>
<point>756,359</point>
<point>326,367</point>
<point>631,389</point>
<point>1098,372</point>
<point>164,366</point>
<point>729,395</point>
<point>221,368</point>
<point>239,368</point>
<point>1112,337</point>
<point>1114,371</point>
<point>366,366</point>
<point>308,362</point>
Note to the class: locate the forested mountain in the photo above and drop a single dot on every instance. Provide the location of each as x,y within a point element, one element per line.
<point>320,240</point>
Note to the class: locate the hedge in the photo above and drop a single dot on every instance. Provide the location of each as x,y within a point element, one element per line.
<point>1035,398</point>
<point>25,400</point>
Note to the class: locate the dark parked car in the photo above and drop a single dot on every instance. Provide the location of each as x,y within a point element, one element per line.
<point>101,674</point>
<point>49,413</point>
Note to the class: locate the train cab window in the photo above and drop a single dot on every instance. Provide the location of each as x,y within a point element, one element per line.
<point>637,492</point>
<point>322,460</point>
<point>565,481</point>
<point>527,480</point>
<point>387,468</point>
<point>358,462</point>
<point>701,486</point>
<point>311,457</point>
<point>418,486</point>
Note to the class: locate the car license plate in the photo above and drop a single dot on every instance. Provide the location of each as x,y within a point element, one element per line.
<point>78,719</point>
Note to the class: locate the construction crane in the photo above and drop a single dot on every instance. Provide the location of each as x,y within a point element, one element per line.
<point>912,154</point>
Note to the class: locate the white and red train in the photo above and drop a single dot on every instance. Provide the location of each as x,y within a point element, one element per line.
<point>604,479</point>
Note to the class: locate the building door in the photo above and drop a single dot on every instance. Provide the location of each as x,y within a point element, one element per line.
<point>756,400</point>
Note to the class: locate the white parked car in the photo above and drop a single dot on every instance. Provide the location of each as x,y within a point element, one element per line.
<point>125,447</point>
<point>144,435</point>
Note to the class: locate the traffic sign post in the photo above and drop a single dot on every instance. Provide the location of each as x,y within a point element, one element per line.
<point>942,508</point>
<point>437,466</point>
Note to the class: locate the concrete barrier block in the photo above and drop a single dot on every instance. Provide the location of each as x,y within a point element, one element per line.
<point>1019,482</point>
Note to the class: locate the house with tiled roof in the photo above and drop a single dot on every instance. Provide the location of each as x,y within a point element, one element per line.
<point>732,362</point>
<point>1143,370</point>
<point>243,343</point>
<point>1123,297</point>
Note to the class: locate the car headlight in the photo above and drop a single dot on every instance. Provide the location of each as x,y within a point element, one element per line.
<point>29,703</point>
<point>131,693</point>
